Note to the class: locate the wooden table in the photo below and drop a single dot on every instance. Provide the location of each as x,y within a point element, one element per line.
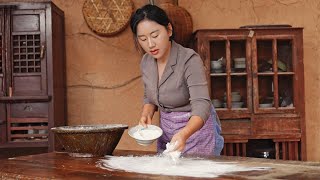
<point>61,166</point>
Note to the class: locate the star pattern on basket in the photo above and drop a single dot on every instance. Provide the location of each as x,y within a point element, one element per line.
<point>107,17</point>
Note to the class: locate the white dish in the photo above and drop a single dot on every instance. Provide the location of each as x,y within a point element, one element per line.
<point>266,105</point>
<point>234,105</point>
<point>233,93</point>
<point>239,66</point>
<point>239,63</point>
<point>234,98</point>
<point>239,60</point>
<point>217,70</point>
<point>145,136</point>
<point>216,103</point>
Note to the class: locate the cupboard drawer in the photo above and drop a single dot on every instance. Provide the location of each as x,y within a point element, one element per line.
<point>236,127</point>
<point>25,110</point>
<point>276,125</point>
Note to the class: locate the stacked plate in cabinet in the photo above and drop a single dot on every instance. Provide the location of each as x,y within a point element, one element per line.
<point>235,100</point>
<point>240,63</point>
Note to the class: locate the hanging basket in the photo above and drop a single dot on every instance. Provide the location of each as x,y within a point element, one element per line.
<point>181,21</point>
<point>107,17</point>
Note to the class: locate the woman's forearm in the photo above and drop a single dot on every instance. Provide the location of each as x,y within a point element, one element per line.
<point>148,110</point>
<point>194,124</point>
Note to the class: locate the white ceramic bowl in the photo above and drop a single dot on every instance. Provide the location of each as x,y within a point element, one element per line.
<point>235,97</point>
<point>239,66</point>
<point>216,65</point>
<point>240,60</point>
<point>233,93</point>
<point>237,104</point>
<point>217,70</point>
<point>239,63</point>
<point>145,136</point>
<point>216,103</point>
<point>265,105</point>
<point>234,105</point>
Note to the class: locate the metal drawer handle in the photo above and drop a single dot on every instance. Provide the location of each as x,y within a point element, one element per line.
<point>42,52</point>
<point>27,108</point>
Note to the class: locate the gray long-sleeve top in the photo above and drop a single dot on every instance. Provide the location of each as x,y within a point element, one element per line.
<point>183,85</point>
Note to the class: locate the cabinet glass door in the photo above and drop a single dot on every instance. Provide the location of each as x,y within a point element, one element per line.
<point>2,65</point>
<point>273,74</point>
<point>239,62</point>
<point>28,53</point>
<point>218,74</point>
<point>229,63</point>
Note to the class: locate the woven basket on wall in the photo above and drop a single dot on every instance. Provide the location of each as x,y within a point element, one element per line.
<point>107,17</point>
<point>181,20</point>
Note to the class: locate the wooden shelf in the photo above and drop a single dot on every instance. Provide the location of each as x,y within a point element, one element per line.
<point>21,99</point>
<point>26,143</point>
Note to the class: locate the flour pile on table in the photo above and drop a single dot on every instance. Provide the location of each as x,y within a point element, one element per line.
<point>170,153</point>
<point>192,167</point>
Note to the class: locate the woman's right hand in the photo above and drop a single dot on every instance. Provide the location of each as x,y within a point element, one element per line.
<point>144,121</point>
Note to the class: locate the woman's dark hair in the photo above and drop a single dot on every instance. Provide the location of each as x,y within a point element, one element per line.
<point>152,13</point>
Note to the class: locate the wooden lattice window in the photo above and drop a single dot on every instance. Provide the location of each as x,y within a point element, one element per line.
<point>26,53</point>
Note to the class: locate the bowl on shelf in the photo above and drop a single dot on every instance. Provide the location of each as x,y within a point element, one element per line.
<point>235,97</point>
<point>234,105</point>
<point>237,104</point>
<point>233,92</point>
<point>265,105</point>
<point>239,63</point>
<point>89,140</point>
<point>145,136</point>
<point>216,64</point>
<point>216,103</point>
<point>217,70</point>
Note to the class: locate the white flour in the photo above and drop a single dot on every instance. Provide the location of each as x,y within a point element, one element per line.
<point>174,155</point>
<point>194,167</point>
<point>146,134</point>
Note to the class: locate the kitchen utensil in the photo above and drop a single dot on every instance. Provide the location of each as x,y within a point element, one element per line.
<point>145,136</point>
<point>216,64</point>
<point>281,65</point>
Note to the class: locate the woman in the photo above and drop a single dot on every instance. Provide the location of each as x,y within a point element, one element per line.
<point>175,83</point>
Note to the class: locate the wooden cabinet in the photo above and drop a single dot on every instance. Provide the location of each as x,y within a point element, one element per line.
<point>256,83</point>
<point>32,73</point>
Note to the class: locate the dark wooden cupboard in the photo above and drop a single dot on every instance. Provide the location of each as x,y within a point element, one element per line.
<point>32,73</point>
<point>256,82</point>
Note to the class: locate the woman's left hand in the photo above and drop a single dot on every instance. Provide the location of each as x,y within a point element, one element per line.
<point>180,139</point>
